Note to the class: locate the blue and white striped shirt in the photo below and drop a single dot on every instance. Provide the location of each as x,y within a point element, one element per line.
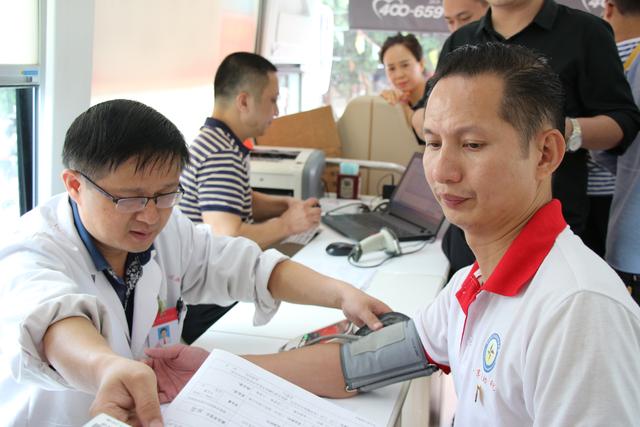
<point>626,47</point>
<point>600,181</point>
<point>217,178</point>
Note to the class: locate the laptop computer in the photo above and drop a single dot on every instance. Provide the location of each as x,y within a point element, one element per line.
<point>413,214</point>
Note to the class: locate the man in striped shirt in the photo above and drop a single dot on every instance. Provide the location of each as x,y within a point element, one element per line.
<point>216,182</point>
<point>623,238</point>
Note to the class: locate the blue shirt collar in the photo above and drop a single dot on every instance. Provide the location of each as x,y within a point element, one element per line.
<point>97,257</point>
<point>215,123</point>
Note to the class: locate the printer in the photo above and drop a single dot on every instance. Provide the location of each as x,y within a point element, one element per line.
<point>287,171</point>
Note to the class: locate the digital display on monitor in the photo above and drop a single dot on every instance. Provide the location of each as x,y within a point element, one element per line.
<point>413,195</point>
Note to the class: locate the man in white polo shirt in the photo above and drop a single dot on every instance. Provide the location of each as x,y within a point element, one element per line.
<point>540,330</point>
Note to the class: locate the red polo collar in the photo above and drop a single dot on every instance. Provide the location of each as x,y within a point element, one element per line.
<point>522,260</point>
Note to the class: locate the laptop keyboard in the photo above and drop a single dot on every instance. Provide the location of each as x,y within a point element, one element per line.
<point>304,237</point>
<point>361,225</point>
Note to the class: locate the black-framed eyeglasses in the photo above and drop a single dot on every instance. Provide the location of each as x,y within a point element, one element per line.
<point>136,204</point>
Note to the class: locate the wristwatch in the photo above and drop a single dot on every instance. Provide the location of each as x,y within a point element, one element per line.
<point>575,140</point>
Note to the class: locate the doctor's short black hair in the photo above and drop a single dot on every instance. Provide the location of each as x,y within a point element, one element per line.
<point>533,93</point>
<point>242,71</point>
<point>110,133</point>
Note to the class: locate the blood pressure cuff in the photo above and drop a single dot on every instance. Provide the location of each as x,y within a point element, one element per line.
<point>386,356</point>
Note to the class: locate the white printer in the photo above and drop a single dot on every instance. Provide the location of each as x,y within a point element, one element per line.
<point>287,171</point>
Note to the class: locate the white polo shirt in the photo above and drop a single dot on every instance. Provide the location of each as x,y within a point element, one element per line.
<point>552,338</point>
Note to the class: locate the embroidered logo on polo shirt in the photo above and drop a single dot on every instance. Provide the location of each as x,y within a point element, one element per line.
<point>490,352</point>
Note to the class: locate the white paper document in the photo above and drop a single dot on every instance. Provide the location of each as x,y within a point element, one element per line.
<point>228,390</point>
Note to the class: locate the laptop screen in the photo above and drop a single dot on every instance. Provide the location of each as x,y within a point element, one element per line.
<point>413,199</point>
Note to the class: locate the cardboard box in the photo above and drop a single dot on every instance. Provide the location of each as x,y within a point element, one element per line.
<point>369,129</point>
<point>308,129</point>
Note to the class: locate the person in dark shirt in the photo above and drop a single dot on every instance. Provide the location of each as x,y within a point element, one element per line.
<point>403,62</point>
<point>623,238</point>
<point>599,108</point>
<point>461,12</point>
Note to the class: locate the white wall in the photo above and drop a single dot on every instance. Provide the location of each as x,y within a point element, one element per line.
<point>164,53</point>
<point>161,52</point>
<point>66,84</point>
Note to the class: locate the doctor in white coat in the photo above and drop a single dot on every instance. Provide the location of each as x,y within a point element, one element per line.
<point>92,276</point>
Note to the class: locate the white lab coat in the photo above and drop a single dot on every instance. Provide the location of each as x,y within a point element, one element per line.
<point>47,275</point>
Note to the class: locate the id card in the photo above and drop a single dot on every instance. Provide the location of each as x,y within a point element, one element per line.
<point>104,420</point>
<point>165,331</point>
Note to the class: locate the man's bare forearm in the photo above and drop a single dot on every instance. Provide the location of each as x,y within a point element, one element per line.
<point>81,362</point>
<point>285,284</point>
<point>316,369</point>
<point>265,233</point>
<point>598,133</point>
<point>267,206</point>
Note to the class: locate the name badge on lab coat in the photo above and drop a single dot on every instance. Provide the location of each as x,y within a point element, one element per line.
<point>165,331</point>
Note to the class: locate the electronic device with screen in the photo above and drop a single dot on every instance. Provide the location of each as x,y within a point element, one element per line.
<point>341,331</point>
<point>413,214</point>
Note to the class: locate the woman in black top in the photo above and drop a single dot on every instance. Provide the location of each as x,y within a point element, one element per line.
<point>403,63</point>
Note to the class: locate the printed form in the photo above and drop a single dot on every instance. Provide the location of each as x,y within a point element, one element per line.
<point>228,390</point>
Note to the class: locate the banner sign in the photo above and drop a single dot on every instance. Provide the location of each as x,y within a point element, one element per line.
<point>592,6</point>
<point>422,16</point>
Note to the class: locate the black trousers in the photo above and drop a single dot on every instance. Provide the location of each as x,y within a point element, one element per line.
<point>595,233</point>
<point>199,318</point>
<point>632,281</point>
<point>455,247</point>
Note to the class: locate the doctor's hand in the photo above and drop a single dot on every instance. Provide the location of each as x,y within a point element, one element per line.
<point>174,366</point>
<point>127,391</point>
<point>301,215</point>
<point>361,308</point>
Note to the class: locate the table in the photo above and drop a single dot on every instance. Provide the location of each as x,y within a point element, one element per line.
<point>406,284</point>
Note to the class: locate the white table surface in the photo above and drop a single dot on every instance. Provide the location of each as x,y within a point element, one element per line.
<point>430,260</point>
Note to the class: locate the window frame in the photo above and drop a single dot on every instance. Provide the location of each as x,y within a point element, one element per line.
<point>25,80</point>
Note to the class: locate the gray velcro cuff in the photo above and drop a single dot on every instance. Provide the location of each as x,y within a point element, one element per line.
<point>386,356</point>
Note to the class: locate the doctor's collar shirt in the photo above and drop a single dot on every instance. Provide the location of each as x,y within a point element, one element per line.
<point>49,275</point>
<point>124,287</point>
